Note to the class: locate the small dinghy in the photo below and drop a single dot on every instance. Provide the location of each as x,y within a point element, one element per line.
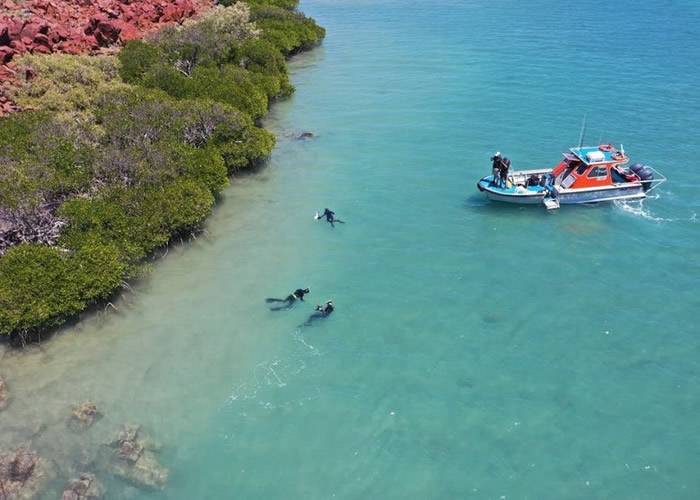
<point>584,175</point>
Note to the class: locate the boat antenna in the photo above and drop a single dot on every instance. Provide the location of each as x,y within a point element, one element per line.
<point>583,131</point>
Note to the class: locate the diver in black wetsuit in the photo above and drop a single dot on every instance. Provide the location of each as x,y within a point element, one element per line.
<point>330,217</point>
<point>504,172</point>
<point>496,167</point>
<point>322,311</point>
<point>289,301</point>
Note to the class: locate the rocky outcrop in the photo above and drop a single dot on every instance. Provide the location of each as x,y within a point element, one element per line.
<point>86,487</point>
<point>134,459</point>
<point>74,27</point>
<point>22,474</point>
<point>85,414</point>
<point>4,399</point>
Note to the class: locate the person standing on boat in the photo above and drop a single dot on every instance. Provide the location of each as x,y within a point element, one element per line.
<point>496,168</point>
<point>505,166</point>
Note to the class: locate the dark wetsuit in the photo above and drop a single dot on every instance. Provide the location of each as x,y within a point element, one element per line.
<point>497,168</point>
<point>504,172</point>
<point>289,301</point>
<point>330,217</point>
<point>321,312</point>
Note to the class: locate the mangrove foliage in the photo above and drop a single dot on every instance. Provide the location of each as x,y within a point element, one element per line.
<point>117,155</point>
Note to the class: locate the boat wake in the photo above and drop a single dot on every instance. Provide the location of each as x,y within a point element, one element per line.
<point>275,373</point>
<point>638,209</point>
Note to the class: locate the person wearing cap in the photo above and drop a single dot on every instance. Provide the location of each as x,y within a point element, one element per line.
<point>497,165</point>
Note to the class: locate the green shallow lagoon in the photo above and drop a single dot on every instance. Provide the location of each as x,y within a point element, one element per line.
<point>477,350</point>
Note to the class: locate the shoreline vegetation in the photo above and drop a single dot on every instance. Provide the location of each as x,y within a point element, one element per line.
<point>118,155</point>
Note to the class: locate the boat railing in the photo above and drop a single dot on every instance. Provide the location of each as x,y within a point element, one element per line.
<point>523,175</point>
<point>528,173</point>
<point>658,179</point>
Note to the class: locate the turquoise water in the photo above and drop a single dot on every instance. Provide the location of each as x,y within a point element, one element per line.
<point>477,350</point>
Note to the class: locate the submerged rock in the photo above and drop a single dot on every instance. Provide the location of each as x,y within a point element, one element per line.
<point>134,461</point>
<point>22,474</point>
<point>85,414</point>
<point>86,487</point>
<point>146,471</point>
<point>299,135</point>
<point>4,401</point>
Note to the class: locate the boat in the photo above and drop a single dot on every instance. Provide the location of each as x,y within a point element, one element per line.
<point>591,174</point>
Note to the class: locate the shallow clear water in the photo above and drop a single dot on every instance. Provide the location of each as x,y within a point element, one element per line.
<point>477,350</point>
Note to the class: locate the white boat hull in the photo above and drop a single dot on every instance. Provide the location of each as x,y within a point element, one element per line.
<point>627,191</point>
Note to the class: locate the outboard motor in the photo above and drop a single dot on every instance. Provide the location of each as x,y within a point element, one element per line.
<point>636,168</point>
<point>646,174</point>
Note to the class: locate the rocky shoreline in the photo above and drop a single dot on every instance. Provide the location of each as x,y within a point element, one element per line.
<point>85,26</point>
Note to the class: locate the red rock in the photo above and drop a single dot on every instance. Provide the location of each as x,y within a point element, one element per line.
<point>6,73</point>
<point>128,32</point>
<point>58,36</point>
<point>41,49</point>
<point>52,10</point>
<point>72,49</point>
<point>94,21</point>
<point>4,35</point>
<point>40,4</point>
<point>80,26</point>
<point>18,46</point>
<point>42,39</point>
<point>6,55</point>
<point>16,27</point>
<point>31,30</point>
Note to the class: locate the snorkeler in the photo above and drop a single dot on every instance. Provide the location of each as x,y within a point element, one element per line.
<point>329,215</point>
<point>289,301</point>
<point>321,311</point>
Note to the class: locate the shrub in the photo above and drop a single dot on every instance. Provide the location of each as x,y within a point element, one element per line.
<point>42,159</point>
<point>66,83</point>
<point>231,85</point>
<point>285,4</point>
<point>166,77</point>
<point>267,63</point>
<point>40,286</point>
<point>107,220</point>
<point>205,166</point>
<point>254,147</point>
<point>151,138</point>
<point>137,57</point>
<point>208,40</point>
<point>290,32</point>
<point>137,221</point>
